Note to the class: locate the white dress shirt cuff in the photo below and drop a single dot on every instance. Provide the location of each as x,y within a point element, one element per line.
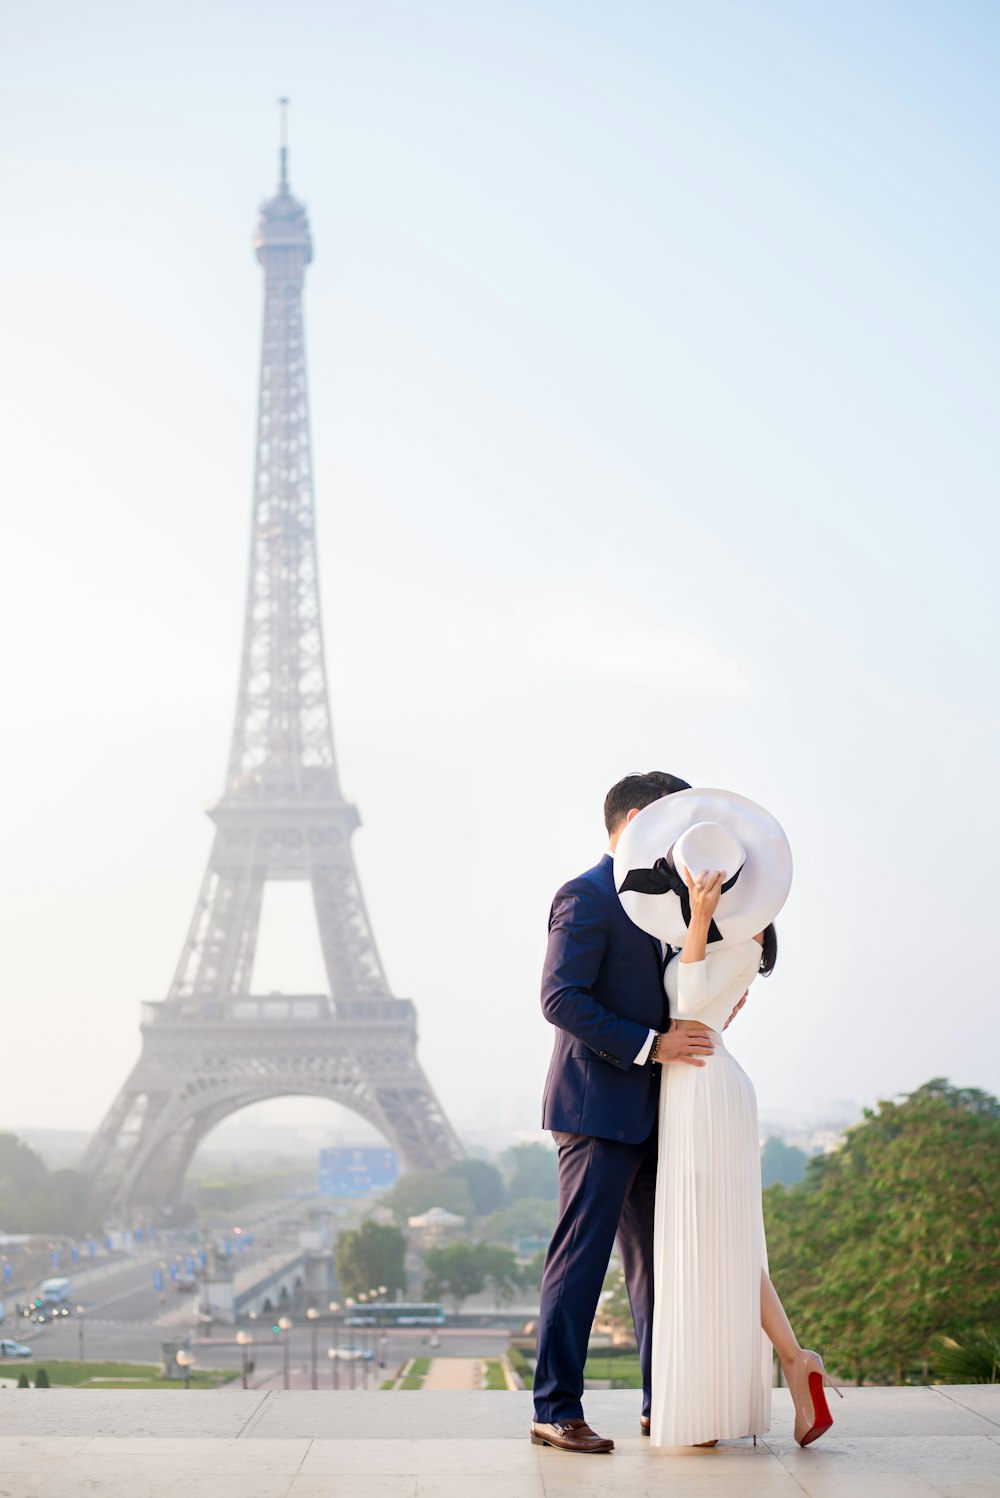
<point>643,1055</point>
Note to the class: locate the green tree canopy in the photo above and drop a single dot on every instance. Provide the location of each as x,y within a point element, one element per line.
<point>34,1199</point>
<point>503,1276</point>
<point>420,1189</point>
<point>454,1272</point>
<point>781,1162</point>
<point>484,1181</point>
<point>369,1256</point>
<point>890,1243</point>
<point>527,1217</point>
<point>531,1170</point>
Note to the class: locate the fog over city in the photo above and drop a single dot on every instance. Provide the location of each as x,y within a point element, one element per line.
<point>652,356</point>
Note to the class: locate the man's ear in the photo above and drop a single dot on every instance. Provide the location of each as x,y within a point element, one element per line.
<point>633,813</point>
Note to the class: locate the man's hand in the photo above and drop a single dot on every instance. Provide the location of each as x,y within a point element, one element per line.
<point>736,1010</point>
<point>690,1046</point>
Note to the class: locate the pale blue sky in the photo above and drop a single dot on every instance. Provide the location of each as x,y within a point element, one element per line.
<point>654,376</point>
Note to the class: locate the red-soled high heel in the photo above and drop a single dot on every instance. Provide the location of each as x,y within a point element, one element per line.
<point>806,1378</point>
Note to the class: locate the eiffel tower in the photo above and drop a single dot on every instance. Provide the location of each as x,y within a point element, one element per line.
<point>212,1047</point>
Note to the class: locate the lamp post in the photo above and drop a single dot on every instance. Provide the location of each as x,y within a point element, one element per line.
<point>285,1326</point>
<point>349,1304</point>
<point>383,1340</point>
<point>312,1316</point>
<point>80,1313</point>
<point>243,1341</point>
<point>366,1338</point>
<point>185,1360</point>
<point>334,1344</point>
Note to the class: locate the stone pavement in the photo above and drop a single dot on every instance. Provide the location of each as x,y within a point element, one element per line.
<point>64,1443</point>
<point>453,1373</point>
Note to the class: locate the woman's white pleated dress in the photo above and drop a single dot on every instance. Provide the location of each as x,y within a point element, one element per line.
<point>711,1361</point>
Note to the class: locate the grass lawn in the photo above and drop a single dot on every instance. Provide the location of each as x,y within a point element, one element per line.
<point>623,1371</point>
<point>494,1375</point>
<point>112,1375</point>
<point>415,1378</point>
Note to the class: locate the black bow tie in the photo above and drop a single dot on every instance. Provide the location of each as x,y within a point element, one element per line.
<point>661,879</point>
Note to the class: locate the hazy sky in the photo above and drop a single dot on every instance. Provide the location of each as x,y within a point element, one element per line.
<point>654,379</point>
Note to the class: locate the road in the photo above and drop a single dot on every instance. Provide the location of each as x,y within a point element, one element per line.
<point>121,1306</point>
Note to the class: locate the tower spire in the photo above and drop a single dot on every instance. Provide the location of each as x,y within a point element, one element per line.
<point>283,106</point>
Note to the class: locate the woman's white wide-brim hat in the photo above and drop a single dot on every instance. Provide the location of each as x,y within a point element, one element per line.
<point>698,823</point>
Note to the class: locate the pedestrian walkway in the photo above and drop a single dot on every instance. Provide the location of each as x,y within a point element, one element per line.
<point>453,1373</point>
<point>887,1443</point>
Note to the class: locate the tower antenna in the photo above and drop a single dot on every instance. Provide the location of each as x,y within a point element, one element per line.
<point>283,106</point>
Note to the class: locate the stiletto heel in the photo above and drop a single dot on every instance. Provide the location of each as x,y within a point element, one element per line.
<point>806,1378</point>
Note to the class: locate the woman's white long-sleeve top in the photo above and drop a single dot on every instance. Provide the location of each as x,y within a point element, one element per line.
<point>710,990</point>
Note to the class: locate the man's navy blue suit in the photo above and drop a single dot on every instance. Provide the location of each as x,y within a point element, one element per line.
<point>602,988</point>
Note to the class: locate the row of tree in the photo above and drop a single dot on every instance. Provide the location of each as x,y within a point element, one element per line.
<point>34,1199</point>
<point>374,1254</point>
<point>477,1188</point>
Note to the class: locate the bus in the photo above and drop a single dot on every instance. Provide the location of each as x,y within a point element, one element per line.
<point>397,1313</point>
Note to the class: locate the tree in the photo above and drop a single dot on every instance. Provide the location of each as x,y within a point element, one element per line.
<point>23,1381</point>
<point>889,1243</point>
<point>531,1170</point>
<point>781,1162</point>
<point>41,1379</point>
<point>369,1256</point>
<point>422,1189</point>
<point>455,1271</point>
<point>484,1181</point>
<point>613,1308</point>
<point>531,1273</point>
<point>36,1200</point>
<point>529,1217</point>
<point>499,1265</point>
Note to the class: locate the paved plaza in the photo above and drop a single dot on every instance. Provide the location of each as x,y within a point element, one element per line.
<point>64,1443</point>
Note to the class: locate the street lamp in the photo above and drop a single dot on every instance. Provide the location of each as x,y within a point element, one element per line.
<point>349,1304</point>
<point>79,1329</point>
<point>243,1341</point>
<point>383,1340</point>
<point>312,1316</point>
<point>185,1360</point>
<point>334,1344</point>
<point>285,1326</point>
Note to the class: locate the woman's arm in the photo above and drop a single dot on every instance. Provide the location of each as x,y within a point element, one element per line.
<point>705,893</point>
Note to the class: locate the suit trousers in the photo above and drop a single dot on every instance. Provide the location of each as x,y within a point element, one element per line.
<point>606,1190</point>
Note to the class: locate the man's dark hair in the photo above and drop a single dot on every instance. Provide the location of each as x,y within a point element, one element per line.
<point>639,791</point>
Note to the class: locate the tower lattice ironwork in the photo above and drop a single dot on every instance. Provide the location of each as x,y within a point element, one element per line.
<point>212,1047</point>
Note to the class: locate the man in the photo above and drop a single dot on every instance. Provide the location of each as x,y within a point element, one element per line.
<point>602,987</point>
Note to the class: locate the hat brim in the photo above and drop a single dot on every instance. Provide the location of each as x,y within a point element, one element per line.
<point>745,909</point>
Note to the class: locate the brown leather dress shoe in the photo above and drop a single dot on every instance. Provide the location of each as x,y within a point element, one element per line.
<point>569,1435</point>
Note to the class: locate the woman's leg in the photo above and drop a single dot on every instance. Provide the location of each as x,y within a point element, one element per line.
<point>803,1369</point>
<point>776,1324</point>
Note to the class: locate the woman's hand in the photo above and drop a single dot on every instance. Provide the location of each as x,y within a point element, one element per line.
<point>705,892</point>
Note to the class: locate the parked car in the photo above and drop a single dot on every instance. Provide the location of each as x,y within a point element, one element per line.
<point>186,1282</point>
<point>9,1349</point>
<point>354,1354</point>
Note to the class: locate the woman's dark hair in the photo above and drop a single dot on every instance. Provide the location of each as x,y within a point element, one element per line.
<point>769,950</point>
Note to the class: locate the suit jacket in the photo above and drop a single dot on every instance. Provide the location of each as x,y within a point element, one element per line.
<point>602,987</point>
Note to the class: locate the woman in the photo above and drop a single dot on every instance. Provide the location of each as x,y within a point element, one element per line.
<point>716,1312</point>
